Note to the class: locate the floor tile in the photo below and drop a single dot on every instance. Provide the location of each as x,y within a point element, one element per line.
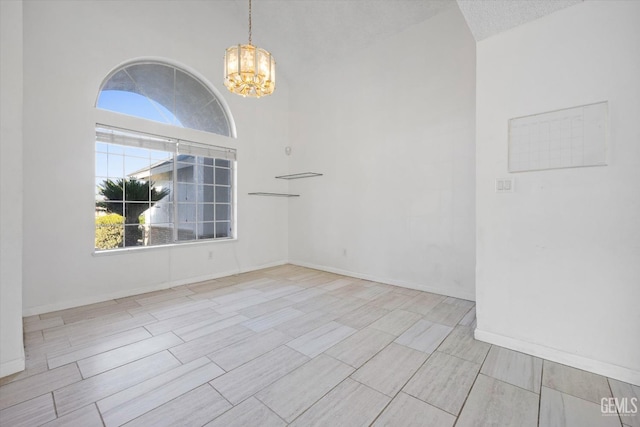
<point>194,408</point>
<point>135,401</point>
<point>424,336</point>
<point>515,368</point>
<point>175,323</point>
<point>120,356</point>
<point>315,342</point>
<point>265,307</point>
<point>211,343</point>
<point>46,382</point>
<point>295,392</point>
<point>389,370</point>
<point>496,403</point>
<point>349,404</point>
<point>576,382</point>
<point>248,349</point>
<point>362,316</point>
<point>360,347</point>
<point>207,327</point>
<point>423,303</point>
<point>97,346</point>
<point>627,391</point>
<point>407,411</point>
<point>43,324</point>
<point>560,409</point>
<point>253,376</point>
<point>75,396</point>
<point>307,323</point>
<point>251,412</point>
<point>396,322</point>
<point>462,344</point>
<point>33,412</point>
<point>446,314</point>
<point>443,381</point>
<point>469,319</point>
<point>390,300</point>
<point>271,320</point>
<point>85,417</point>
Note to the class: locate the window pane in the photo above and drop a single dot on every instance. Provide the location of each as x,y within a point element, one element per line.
<point>133,235</point>
<point>161,213</point>
<point>136,152</point>
<point>186,193</point>
<point>186,158</point>
<point>137,167</point>
<point>223,194</point>
<point>115,166</point>
<point>205,193</point>
<point>185,173</point>
<point>160,155</point>
<point>163,186</point>
<point>206,230</point>
<point>223,229</point>
<point>186,212</point>
<point>136,191</point>
<point>223,176</point>
<point>224,163</point>
<point>223,212</point>
<point>160,234</point>
<point>134,212</point>
<point>186,232</point>
<point>109,230</point>
<point>101,147</point>
<point>206,212</point>
<point>207,175</point>
<point>205,161</point>
<point>101,164</point>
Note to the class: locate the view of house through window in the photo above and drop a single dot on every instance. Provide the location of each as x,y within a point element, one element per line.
<point>153,190</point>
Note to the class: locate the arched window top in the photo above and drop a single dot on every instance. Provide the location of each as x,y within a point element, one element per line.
<point>167,94</point>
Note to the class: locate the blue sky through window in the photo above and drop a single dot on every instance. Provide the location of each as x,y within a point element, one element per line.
<point>136,105</point>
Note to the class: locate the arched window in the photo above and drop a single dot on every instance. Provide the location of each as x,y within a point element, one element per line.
<point>156,190</point>
<point>166,94</point>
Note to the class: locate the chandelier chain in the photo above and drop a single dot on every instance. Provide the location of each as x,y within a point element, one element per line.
<point>249,21</point>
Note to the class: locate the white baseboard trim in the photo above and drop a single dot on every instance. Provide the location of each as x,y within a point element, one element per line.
<point>602,368</point>
<point>12,366</point>
<point>420,287</point>
<point>32,311</point>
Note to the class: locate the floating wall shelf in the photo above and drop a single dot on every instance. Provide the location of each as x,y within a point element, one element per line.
<point>274,194</point>
<point>299,175</point>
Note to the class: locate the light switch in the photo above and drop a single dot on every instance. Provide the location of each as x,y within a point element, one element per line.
<point>504,185</point>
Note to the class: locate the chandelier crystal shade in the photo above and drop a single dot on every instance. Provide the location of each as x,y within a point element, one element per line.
<point>249,70</point>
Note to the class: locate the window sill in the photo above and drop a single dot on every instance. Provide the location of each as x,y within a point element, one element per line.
<point>122,251</point>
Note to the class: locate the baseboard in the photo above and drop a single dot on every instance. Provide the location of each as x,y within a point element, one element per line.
<point>597,367</point>
<point>388,281</point>
<point>32,311</point>
<point>12,366</point>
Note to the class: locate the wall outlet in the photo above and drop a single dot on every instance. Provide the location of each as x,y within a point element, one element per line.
<point>505,185</point>
<point>210,254</point>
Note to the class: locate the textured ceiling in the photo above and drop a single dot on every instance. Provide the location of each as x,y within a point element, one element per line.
<point>489,17</point>
<point>306,33</point>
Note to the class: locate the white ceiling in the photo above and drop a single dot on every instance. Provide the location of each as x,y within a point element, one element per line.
<point>489,17</point>
<point>306,33</point>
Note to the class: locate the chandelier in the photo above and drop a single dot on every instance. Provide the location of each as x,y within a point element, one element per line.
<point>249,70</point>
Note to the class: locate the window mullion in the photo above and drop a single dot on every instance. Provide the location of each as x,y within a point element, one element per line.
<point>175,193</point>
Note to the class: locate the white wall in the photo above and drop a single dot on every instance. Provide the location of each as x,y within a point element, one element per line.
<point>392,130</point>
<point>558,260</point>
<point>69,47</point>
<point>11,350</point>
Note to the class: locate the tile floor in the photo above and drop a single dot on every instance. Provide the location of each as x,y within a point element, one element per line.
<point>289,345</point>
